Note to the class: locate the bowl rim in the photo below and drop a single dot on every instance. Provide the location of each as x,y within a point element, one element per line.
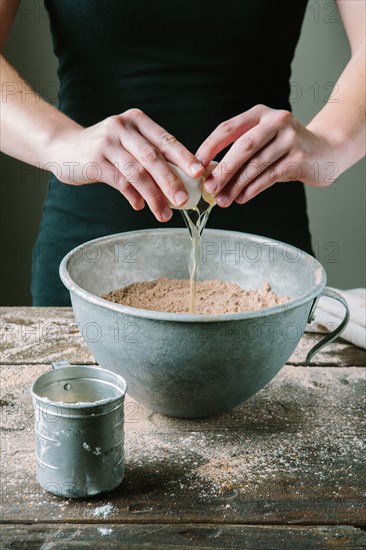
<point>313,293</point>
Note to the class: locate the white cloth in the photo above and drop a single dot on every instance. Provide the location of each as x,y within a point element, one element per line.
<point>329,313</point>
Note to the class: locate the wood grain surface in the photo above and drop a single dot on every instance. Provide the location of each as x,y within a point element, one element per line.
<point>179,537</point>
<point>286,469</point>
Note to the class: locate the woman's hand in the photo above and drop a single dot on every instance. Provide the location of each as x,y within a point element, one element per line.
<point>269,146</point>
<point>129,152</point>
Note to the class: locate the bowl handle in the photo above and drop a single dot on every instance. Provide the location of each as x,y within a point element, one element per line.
<point>332,335</point>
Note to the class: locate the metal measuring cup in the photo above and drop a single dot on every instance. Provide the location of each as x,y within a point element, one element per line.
<point>79,425</point>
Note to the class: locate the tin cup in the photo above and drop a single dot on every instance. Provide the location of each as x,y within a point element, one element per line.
<point>79,426</point>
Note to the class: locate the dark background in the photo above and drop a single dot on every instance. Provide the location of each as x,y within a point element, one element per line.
<point>337,213</point>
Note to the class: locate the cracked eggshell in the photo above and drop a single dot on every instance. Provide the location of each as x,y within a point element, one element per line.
<point>193,187</point>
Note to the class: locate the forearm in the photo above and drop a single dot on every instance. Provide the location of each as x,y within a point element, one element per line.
<point>342,121</point>
<point>28,122</point>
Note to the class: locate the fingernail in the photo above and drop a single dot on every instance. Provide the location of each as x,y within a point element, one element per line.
<point>210,186</point>
<point>201,160</point>
<point>180,198</point>
<point>222,200</point>
<point>166,213</point>
<point>196,167</point>
<point>241,197</point>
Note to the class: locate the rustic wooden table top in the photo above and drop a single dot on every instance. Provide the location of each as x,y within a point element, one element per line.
<point>287,469</point>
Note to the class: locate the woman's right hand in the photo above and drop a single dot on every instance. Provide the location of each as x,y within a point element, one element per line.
<point>129,152</point>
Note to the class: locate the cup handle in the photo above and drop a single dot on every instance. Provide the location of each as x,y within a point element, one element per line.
<point>60,364</point>
<point>335,333</point>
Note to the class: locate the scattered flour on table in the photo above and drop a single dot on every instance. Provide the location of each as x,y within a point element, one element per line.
<point>290,430</point>
<point>213,296</point>
<point>103,511</point>
<point>304,426</point>
<point>104,531</point>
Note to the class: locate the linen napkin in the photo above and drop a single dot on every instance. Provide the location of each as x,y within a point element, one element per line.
<point>329,313</point>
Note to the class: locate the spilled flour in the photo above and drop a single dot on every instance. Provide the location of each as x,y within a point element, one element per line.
<point>103,511</point>
<point>212,296</point>
<point>300,439</point>
<point>104,531</point>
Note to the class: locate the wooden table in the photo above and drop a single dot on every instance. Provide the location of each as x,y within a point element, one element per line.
<point>287,469</point>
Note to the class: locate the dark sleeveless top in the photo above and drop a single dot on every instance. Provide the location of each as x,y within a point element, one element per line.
<point>189,64</point>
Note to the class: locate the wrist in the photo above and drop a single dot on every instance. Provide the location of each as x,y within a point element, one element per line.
<point>53,140</point>
<point>345,147</point>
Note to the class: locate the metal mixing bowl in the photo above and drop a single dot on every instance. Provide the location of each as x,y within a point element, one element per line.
<point>192,365</point>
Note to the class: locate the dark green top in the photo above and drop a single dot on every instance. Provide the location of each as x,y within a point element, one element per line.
<point>189,64</point>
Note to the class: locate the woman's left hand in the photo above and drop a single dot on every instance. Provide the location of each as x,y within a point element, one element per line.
<point>269,146</point>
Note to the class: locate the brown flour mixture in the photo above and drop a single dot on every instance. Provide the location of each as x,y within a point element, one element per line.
<point>213,296</point>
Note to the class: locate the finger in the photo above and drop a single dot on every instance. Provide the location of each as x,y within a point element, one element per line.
<point>227,132</point>
<point>141,180</point>
<point>268,177</point>
<point>166,180</point>
<point>113,177</point>
<point>172,149</point>
<point>266,157</point>
<point>210,168</point>
<point>245,147</point>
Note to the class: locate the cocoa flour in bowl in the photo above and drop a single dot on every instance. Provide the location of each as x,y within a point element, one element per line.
<point>213,296</point>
